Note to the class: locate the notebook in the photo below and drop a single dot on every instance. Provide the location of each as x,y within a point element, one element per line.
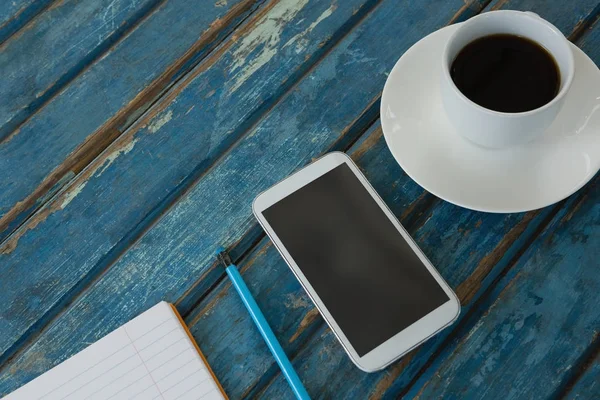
<point>153,356</point>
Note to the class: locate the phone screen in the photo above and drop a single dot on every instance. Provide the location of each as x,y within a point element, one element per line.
<point>363,270</point>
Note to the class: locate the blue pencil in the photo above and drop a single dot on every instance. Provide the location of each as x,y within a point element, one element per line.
<point>263,326</point>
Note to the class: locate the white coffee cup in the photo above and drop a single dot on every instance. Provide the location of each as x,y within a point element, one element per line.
<point>495,129</point>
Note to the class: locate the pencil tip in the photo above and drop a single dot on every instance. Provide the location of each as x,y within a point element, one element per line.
<point>223,257</point>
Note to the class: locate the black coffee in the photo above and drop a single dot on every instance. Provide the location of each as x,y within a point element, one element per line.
<point>506,73</point>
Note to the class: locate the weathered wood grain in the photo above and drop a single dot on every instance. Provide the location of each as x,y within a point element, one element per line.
<point>129,305</point>
<point>589,39</point>
<point>15,14</point>
<point>470,284</point>
<point>587,380</point>
<point>588,384</point>
<point>539,320</point>
<point>80,122</point>
<point>190,231</point>
<point>131,185</point>
<point>562,15</point>
<point>55,47</point>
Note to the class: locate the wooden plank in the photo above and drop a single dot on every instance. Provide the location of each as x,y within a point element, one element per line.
<point>569,16</point>
<point>166,153</point>
<point>15,14</point>
<point>103,100</point>
<point>165,262</point>
<point>538,321</point>
<point>587,381</point>
<point>56,47</point>
<point>590,37</point>
<point>469,280</point>
<point>588,384</point>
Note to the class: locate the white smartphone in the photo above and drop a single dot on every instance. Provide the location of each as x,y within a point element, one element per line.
<point>374,287</point>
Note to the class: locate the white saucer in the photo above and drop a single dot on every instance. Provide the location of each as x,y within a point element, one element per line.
<point>521,178</point>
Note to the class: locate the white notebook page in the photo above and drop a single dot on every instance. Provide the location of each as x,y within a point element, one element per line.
<point>150,357</point>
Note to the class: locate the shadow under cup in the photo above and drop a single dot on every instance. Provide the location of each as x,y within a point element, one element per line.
<point>491,128</point>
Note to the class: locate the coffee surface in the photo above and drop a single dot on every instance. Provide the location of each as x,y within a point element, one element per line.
<point>506,73</point>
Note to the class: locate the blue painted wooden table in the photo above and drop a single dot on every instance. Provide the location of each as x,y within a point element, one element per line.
<point>134,135</point>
